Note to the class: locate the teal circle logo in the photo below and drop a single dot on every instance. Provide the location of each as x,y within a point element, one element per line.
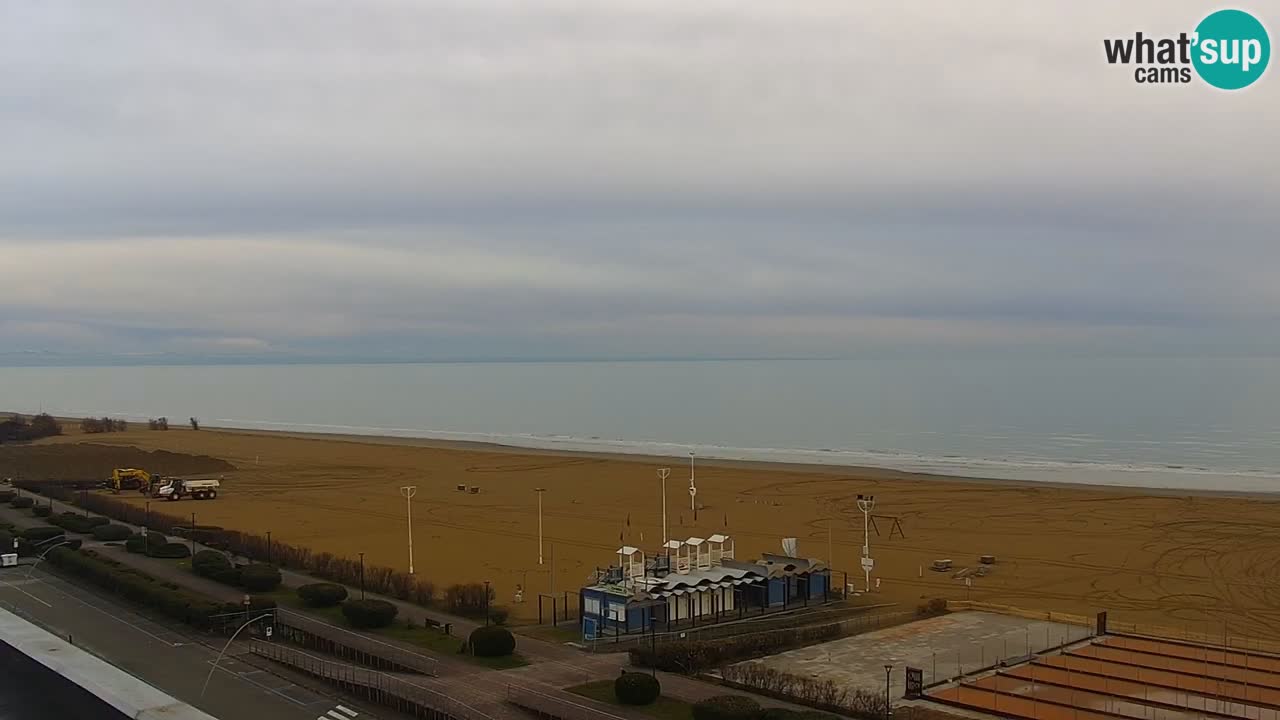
<point>1231,49</point>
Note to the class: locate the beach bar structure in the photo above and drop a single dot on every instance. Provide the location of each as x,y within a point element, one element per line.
<point>693,582</point>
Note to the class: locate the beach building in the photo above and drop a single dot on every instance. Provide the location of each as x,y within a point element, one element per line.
<point>693,582</point>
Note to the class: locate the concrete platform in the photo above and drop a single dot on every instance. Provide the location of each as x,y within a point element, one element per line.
<point>943,647</point>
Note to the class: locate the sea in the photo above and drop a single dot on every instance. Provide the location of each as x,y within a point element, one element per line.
<point>1201,424</point>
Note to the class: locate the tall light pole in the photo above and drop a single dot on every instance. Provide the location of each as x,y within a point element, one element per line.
<point>663,474</point>
<point>361,576</point>
<point>866,503</point>
<point>888,670</point>
<point>539,491</point>
<point>693,490</point>
<point>408,491</point>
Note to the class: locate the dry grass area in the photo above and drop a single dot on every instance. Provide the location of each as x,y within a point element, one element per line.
<point>1174,561</point>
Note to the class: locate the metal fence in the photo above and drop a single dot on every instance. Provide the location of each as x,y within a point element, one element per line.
<point>549,706</point>
<point>347,645</point>
<point>399,692</point>
<point>1007,648</point>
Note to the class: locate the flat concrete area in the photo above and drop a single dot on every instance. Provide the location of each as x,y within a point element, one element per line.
<point>943,647</point>
<point>161,656</point>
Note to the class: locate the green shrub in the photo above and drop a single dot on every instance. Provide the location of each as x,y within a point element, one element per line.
<point>492,641</point>
<point>141,588</point>
<point>469,600</point>
<point>43,511</point>
<point>22,502</point>
<point>369,613</point>
<point>6,495</point>
<point>41,533</point>
<point>498,615</point>
<point>726,707</point>
<point>693,656</point>
<point>633,688</point>
<point>77,523</point>
<point>260,577</point>
<point>319,595</point>
<point>112,533</point>
<point>135,544</point>
<point>171,551</point>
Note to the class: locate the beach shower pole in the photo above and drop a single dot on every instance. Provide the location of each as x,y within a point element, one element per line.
<point>539,491</point>
<point>408,491</point>
<point>663,474</point>
<point>693,490</point>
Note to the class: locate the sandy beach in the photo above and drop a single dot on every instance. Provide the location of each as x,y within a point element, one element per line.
<point>1159,558</point>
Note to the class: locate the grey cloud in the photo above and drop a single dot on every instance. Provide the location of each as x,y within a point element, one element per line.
<point>745,177</point>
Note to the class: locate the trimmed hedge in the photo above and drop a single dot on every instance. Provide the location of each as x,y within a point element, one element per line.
<point>726,707</point>
<point>260,577</point>
<point>41,533</point>
<point>43,511</point>
<point>694,656</point>
<point>141,588</point>
<point>22,502</point>
<point>77,523</point>
<point>492,641</point>
<point>112,533</point>
<point>171,551</point>
<point>633,688</point>
<point>321,595</point>
<point>369,614</point>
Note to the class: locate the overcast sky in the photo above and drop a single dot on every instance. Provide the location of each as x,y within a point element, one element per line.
<point>582,178</point>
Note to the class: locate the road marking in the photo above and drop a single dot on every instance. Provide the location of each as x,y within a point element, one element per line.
<point>348,710</point>
<point>24,592</point>
<point>49,585</point>
<point>335,715</point>
<point>251,681</point>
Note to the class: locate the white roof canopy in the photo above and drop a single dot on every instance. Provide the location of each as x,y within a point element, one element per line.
<point>627,550</point>
<point>718,538</point>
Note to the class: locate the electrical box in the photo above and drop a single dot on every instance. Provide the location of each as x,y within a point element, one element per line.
<point>9,560</point>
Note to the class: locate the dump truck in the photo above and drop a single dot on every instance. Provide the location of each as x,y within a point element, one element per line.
<point>198,489</point>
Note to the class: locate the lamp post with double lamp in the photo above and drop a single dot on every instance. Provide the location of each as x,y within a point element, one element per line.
<point>539,491</point>
<point>361,576</point>
<point>408,491</point>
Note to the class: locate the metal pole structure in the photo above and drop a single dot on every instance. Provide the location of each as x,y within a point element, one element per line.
<point>693,489</point>
<point>193,534</point>
<point>408,491</point>
<point>663,474</point>
<point>224,650</point>
<point>888,670</point>
<point>866,503</point>
<point>539,491</point>
<point>268,547</point>
<point>361,576</point>
<point>486,603</point>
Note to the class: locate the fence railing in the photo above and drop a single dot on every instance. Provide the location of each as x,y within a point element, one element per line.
<point>550,706</point>
<point>340,642</point>
<point>399,692</point>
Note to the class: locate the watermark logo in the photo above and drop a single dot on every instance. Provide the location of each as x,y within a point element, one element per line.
<point>1229,49</point>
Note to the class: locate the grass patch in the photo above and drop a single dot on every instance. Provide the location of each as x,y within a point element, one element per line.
<point>423,637</point>
<point>664,708</point>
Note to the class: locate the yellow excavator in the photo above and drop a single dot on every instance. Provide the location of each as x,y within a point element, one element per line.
<point>132,479</point>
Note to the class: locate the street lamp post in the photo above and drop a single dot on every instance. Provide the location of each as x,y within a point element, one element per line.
<point>539,491</point>
<point>268,547</point>
<point>408,491</point>
<point>361,576</point>
<point>486,602</point>
<point>888,670</point>
<point>193,534</point>
<point>663,474</point>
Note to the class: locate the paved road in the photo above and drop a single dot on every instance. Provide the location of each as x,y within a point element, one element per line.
<point>160,656</point>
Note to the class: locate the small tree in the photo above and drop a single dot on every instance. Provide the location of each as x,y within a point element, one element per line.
<point>492,641</point>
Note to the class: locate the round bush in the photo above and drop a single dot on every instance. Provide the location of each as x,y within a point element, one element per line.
<point>209,562</point>
<point>726,707</point>
<point>369,613</point>
<point>22,502</point>
<point>633,688</point>
<point>42,533</point>
<point>320,595</point>
<point>492,641</point>
<point>41,511</point>
<point>94,521</point>
<point>172,551</point>
<point>260,577</point>
<point>112,533</point>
